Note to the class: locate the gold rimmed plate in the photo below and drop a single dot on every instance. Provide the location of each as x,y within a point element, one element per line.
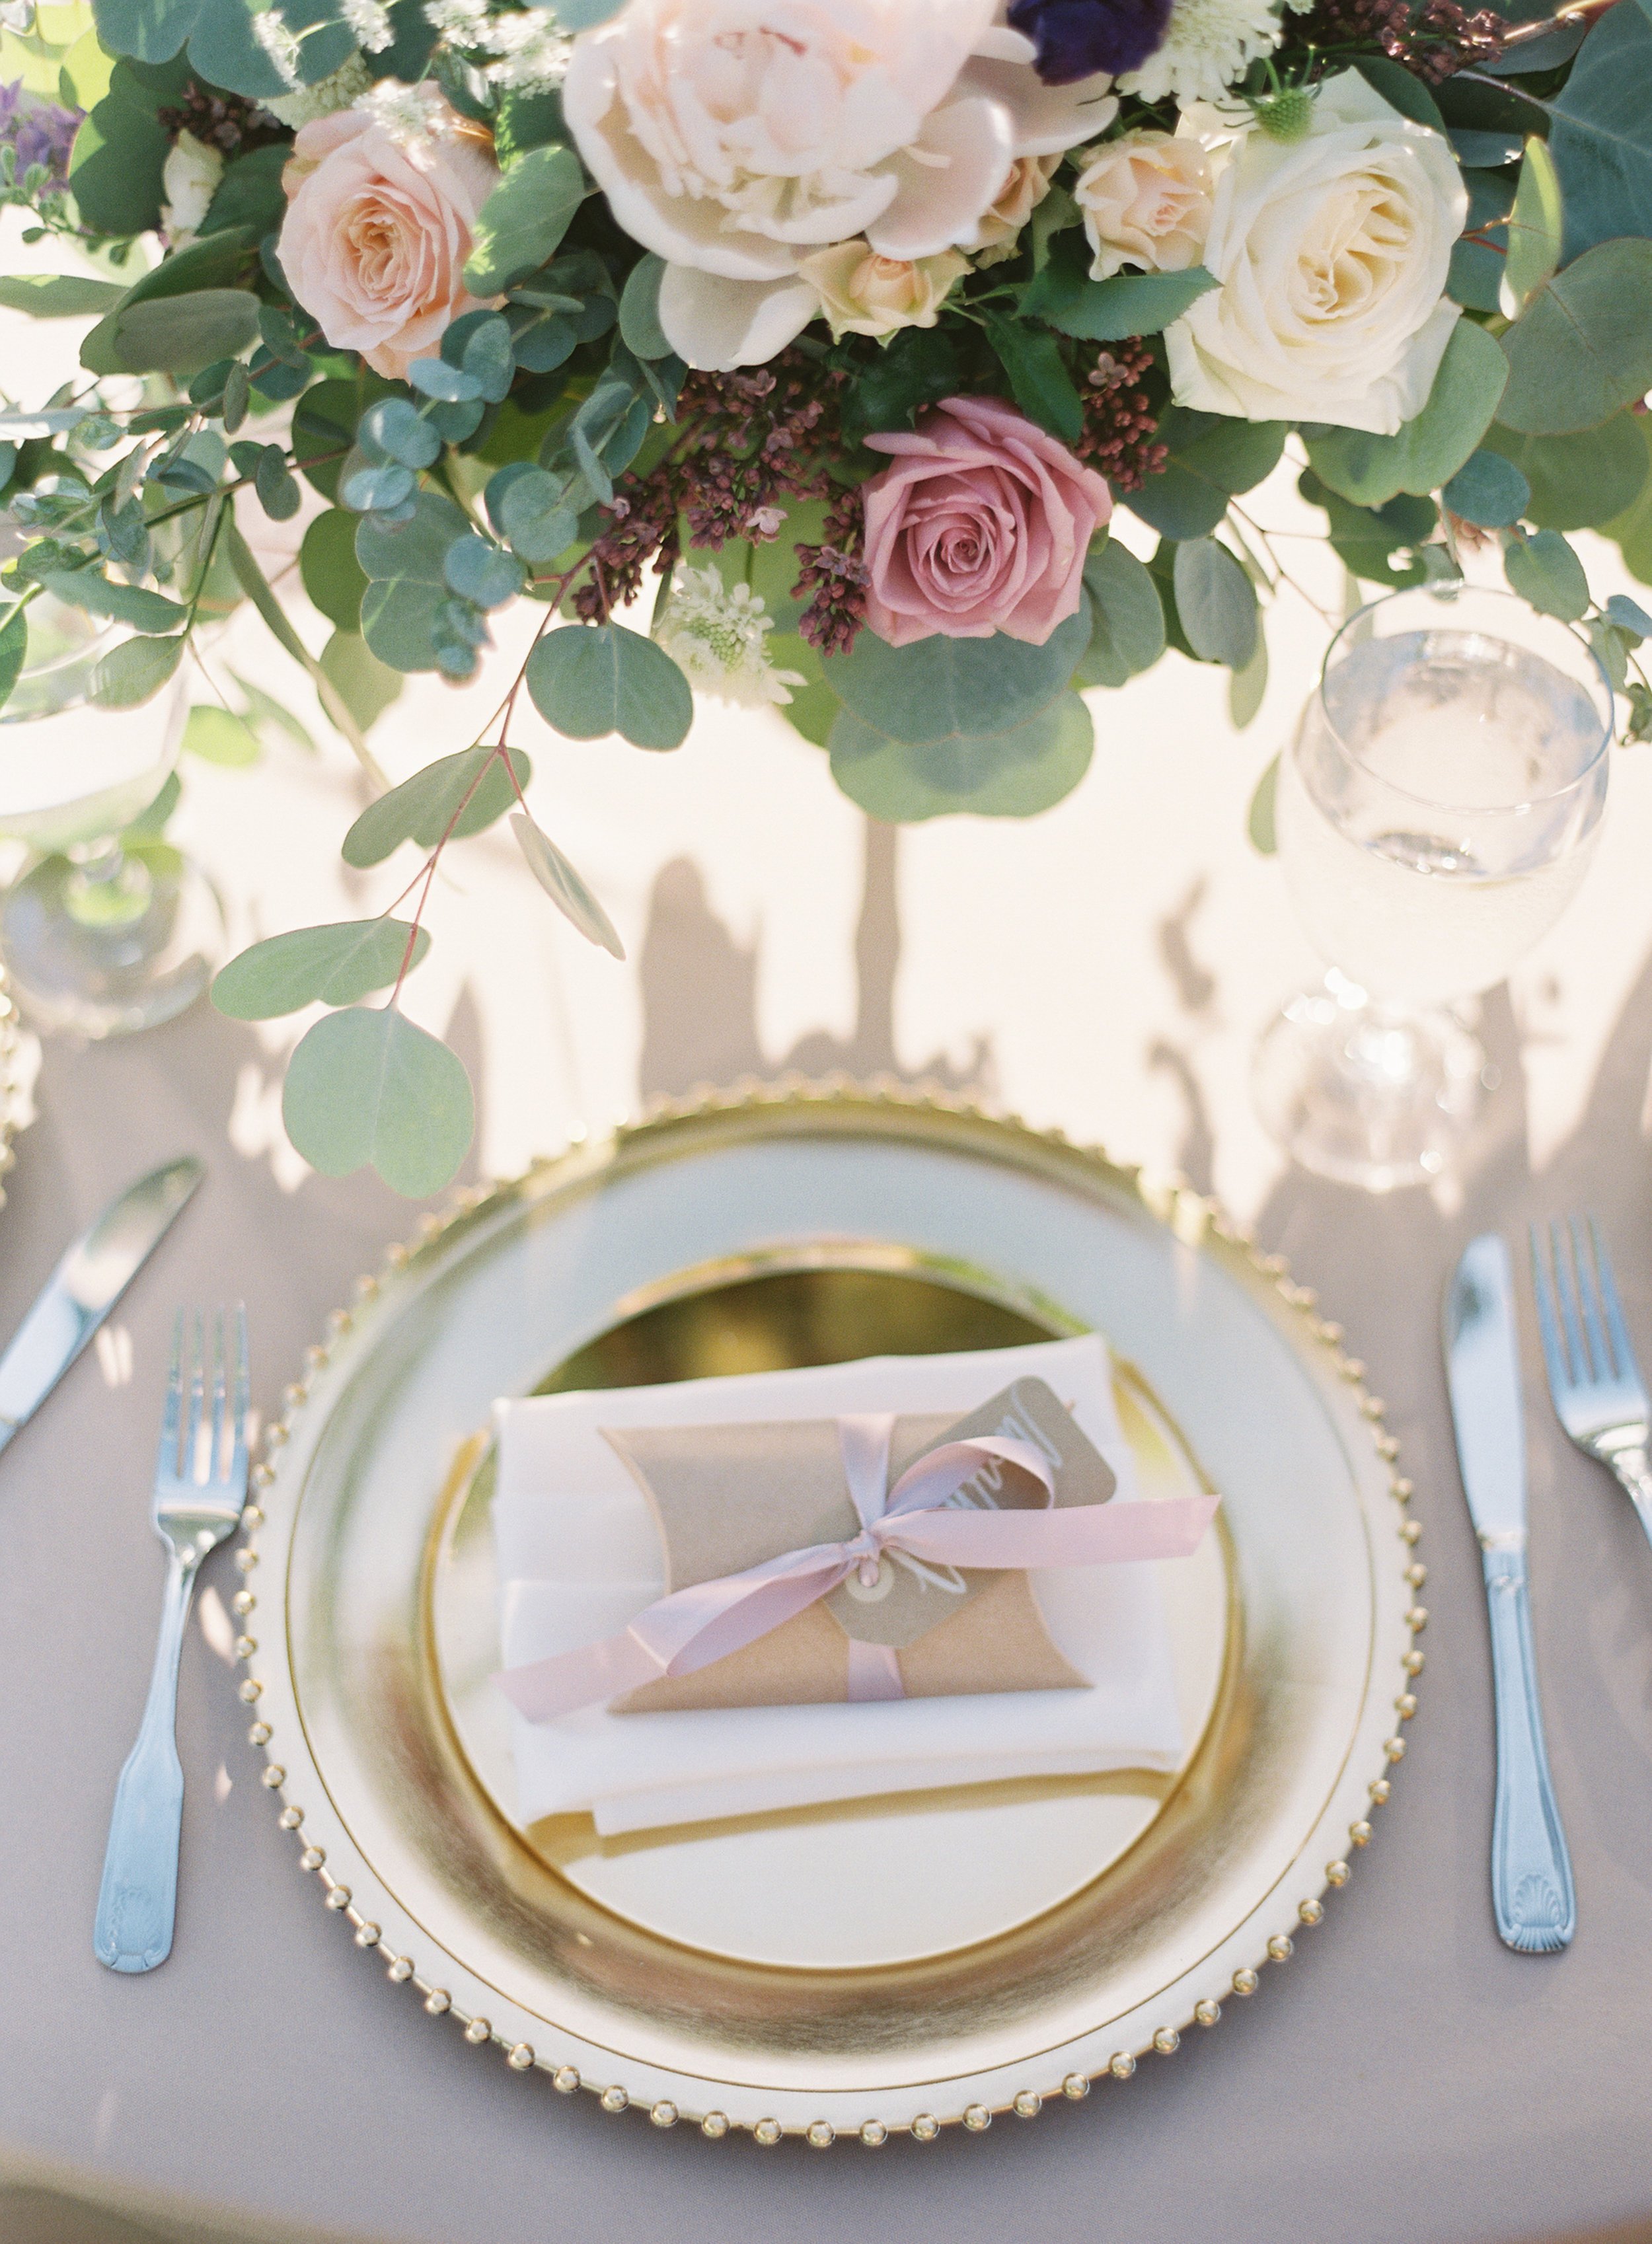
<point>881,1964</point>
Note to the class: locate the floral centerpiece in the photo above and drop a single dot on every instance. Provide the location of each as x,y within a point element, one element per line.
<point>846,325</point>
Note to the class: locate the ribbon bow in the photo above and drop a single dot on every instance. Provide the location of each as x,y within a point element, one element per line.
<point>917,1518</point>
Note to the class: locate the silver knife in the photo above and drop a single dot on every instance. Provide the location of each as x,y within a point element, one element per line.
<point>1531,1874</point>
<point>86,1285</point>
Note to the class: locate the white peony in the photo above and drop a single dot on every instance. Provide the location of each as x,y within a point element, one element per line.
<point>737,137</point>
<point>1332,255</point>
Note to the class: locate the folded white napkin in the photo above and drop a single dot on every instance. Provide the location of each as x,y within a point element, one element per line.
<point>580,1556</point>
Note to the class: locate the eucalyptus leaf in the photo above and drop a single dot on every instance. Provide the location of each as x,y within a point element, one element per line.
<point>1043,388</point>
<point>1489,490</point>
<point>115,165</point>
<point>125,604</point>
<point>400,432</point>
<point>1107,311</point>
<point>14,646</point>
<point>367,1086</point>
<point>1212,457</point>
<point>363,685</point>
<point>427,808</point>
<point>332,576</point>
<point>181,334</point>
<point>640,309</point>
<point>1633,528</point>
<point>134,672</point>
<point>331,965</point>
<point>1629,615</point>
<point>1544,570</point>
<point>58,296</point>
<point>529,512</point>
<point>564,885</point>
<point>1581,349</point>
<point>588,681</point>
<point>1014,774</point>
<point>1430,450</point>
<point>1534,252</point>
<point>521,223</point>
<point>1216,602</point>
<point>477,570</point>
<point>1127,616</point>
<point>1577,482</point>
<point>1260,821</point>
<point>1247,688</point>
<point>405,566</point>
<point>939,688</point>
<point>218,737</point>
<point>1600,134</point>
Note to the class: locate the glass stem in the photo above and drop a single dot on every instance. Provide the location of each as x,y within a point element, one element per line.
<point>107,887</point>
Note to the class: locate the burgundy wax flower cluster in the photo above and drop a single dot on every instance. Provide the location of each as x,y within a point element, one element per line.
<point>1433,41</point>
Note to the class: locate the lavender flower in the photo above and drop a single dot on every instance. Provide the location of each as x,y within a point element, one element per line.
<point>1075,38</point>
<point>39,132</point>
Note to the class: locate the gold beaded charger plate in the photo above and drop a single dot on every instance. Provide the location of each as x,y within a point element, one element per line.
<point>876,1965</point>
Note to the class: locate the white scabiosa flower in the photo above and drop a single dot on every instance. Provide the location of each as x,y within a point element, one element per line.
<point>339,90</point>
<point>717,634</point>
<point>369,22</point>
<point>1209,46</point>
<point>280,42</point>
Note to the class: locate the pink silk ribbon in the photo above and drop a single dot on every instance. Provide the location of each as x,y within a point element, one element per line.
<point>917,1518</point>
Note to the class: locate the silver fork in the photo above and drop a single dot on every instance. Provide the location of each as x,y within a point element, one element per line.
<point>1600,1396</point>
<point>200,1490</point>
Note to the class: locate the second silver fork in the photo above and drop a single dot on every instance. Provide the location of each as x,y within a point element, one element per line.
<point>200,1491</point>
<point>1598,1395</point>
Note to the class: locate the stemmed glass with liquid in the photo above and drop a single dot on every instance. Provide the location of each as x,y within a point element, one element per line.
<point>1435,814</point>
<point>103,930</point>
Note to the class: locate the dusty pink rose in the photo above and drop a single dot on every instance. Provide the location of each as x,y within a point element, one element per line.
<point>378,226</point>
<point>980,524</point>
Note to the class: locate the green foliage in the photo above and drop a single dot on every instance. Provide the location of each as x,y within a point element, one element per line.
<point>1429,450</point>
<point>589,681</point>
<point>121,150</point>
<point>222,50</point>
<point>1216,602</point>
<point>1476,274</point>
<point>564,885</point>
<point>1400,90</point>
<point>526,505</point>
<point>937,688</point>
<point>363,685</point>
<point>1369,539</point>
<point>367,1086</point>
<point>134,672</point>
<point>57,295</point>
<point>477,570</point>
<point>1107,311</point>
<point>1259,823</point>
<point>524,219</point>
<point>218,737</point>
<point>332,965</point>
<point>1633,528</point>
<point>1126,619</point>
<point>639,308</point>
<point>1533,240</point>
<point>14,645</point>
<point>250,193</point>
<point>1248,687</point>
<point>1581,349</point>
<point>1489,489</point>
<point>451,798</point>
<point>1011,774</point>
<point>1037,374</point>
<point>181,334</point>
<point>1579,481</point>
<point>404,609</point>
<point>1544,570</point>
<point>125,604</point>
<point>1212,457</point>
<point>1600,133</point>
<point>332,576</point>
<point>919,367</point>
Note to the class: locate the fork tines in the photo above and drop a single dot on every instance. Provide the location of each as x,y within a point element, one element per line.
<point>1586,1340</point>
<point>194,1447</point>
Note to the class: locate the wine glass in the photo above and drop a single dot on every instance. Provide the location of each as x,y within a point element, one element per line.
<point>1435,814</point>
<point>107,927</point>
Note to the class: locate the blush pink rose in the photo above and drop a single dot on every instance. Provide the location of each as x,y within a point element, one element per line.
<point>980,524</point>
<point>378,226</point>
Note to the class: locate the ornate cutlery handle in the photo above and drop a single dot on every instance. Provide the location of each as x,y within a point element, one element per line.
<point>138,1897</point>
<point>1531,1874</point>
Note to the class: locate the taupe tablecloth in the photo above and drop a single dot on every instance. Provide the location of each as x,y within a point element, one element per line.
<point>1404,2077</point>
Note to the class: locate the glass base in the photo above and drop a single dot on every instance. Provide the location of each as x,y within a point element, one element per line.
<point>116,942</point>
<point>1368,1094</point>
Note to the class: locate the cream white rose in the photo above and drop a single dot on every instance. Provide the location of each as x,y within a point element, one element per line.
<point>998,230</point>
<point>737,137</point>
<point>862,294</point>
<point>1146,201</point>
<point>1332,255</point>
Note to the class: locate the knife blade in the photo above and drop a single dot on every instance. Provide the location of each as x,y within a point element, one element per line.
<point>86,1284</point>
<point>1532,1891</point>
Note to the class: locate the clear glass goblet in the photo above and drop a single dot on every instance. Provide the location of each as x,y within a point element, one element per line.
<point>103,930</point>
<point>1435,814</point>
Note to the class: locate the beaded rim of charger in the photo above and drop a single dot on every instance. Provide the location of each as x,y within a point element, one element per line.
<point>1170,1198</point>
